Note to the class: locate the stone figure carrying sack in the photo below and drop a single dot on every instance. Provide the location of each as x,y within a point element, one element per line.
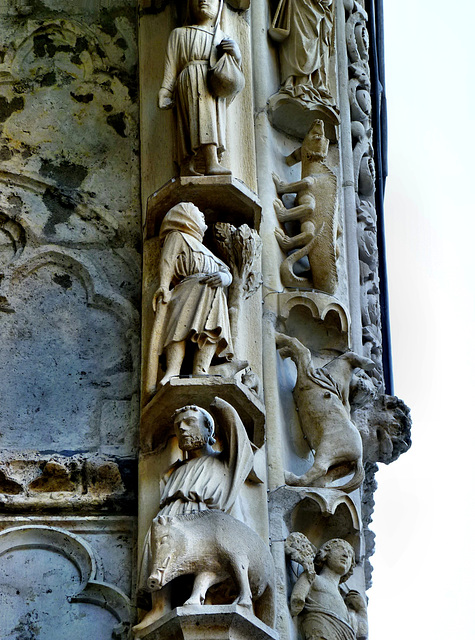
<point>202,75</point>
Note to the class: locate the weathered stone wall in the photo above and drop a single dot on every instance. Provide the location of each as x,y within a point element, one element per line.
<point>262,242</point>
<point>70,272</point>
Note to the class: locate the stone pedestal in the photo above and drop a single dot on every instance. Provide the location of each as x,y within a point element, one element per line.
<point>223,622</point>
<point>295,118</point>
<point>157,421</point>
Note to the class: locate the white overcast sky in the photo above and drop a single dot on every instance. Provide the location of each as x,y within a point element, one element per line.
<point>424,567</point>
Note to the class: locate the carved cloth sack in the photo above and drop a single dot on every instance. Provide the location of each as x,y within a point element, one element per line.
<point>225,78</point>
<point>280,28</point>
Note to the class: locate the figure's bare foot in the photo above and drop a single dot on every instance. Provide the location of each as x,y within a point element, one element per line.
<point>228,369</point>
<point>166,378</point>
<point>187,168</point>
<point>217,170</point>
<point>244,601</point>
<point>140,629</point>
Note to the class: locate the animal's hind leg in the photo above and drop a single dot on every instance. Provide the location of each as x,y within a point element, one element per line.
<point>292,348</point>
<point>203,581</point>
<point>241,567</point>
<point>314,477</point>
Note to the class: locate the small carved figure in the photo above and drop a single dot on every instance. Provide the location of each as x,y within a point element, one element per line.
<point>202,75</point>
<point>304,31</point>
<point>324,613</point>
<point>322,398</point>
<point>190,301</point>
<point>213,546</point>
<point>315,208</point>
<point>205,479</point>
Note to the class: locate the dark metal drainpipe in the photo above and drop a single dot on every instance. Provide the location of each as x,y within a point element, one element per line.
<point>380,140</point>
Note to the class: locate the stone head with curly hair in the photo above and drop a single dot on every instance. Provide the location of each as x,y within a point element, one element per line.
<point>337,554</point>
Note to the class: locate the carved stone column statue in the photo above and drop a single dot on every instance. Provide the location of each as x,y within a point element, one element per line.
<point>202,75</point>
<point>304,30</point>
<point>190,301</point>
<point>193,532</point>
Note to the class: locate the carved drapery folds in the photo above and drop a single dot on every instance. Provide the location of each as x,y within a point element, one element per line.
<point>203,509</point>
<point>202,76</point>
<point>303,31</point>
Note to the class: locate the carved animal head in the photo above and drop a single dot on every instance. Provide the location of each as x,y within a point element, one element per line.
<point>315,144</point>
<point>385,427</point>
<point>168,543</point>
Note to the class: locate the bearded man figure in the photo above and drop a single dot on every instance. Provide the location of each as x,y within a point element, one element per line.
<point>204,480</point>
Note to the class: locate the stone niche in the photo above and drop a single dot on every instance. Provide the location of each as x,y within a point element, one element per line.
<point>52,579</point>
<point>66,360</point>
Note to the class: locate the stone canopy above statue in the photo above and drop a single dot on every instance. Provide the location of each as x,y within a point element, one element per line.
<point>221,198</point>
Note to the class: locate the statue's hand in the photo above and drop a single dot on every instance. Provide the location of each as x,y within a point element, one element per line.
<point>231,47</point>
<point>215,280</point>
<point>162,294</point>
<point>296,605</point>
<point>165,99</point>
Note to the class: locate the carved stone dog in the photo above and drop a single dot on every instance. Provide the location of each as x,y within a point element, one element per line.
<point>212,546</point>
<point>321,396</point>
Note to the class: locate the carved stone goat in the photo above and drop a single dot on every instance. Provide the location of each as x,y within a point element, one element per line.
<point>321,395</point>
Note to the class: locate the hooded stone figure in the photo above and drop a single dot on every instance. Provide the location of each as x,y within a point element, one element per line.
<point>200,114</point>
<point>190,301</point>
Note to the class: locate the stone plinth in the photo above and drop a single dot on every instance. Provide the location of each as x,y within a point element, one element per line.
<point>208,622</point>
<point>221,198</point>
<point>293,117</point>
<point>157,422</point>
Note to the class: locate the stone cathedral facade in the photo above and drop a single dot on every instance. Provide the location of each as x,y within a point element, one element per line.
<point>195,362</point>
